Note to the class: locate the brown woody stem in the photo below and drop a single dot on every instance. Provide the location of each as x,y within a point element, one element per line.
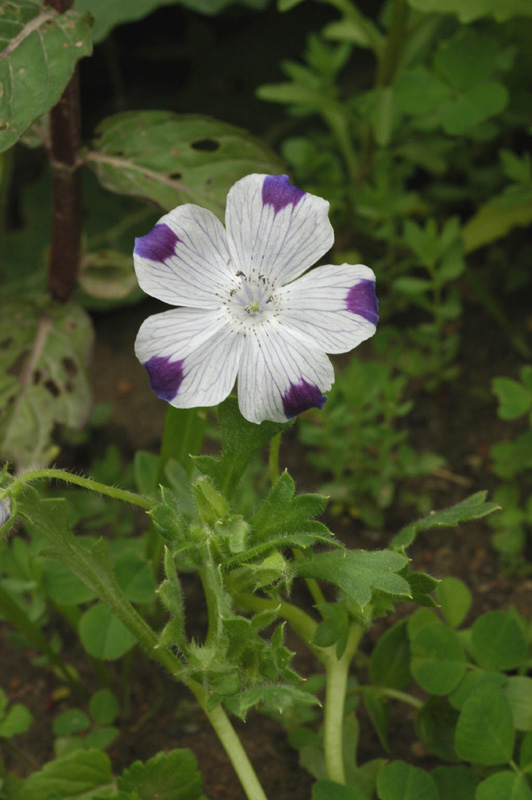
<point>66,186</point>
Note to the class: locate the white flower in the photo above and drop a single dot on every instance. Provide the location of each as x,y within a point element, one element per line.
<point>242,313</point>
<point>5,510</point>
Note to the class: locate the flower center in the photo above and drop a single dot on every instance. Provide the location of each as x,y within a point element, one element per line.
<point>251,297</point>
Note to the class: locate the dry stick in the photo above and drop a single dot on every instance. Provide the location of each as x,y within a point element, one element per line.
<point>66,186</point>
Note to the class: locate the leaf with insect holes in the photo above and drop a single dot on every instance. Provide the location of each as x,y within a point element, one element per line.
<point>172,159</point>
<point>44,348</point>
<point>39,49</point>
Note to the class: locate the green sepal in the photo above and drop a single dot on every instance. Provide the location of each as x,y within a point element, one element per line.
<point>167,517</point>
<point>212,506</point>
<point>240,440</point>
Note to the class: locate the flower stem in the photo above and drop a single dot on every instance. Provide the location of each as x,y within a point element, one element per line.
<point>273,460</point>
<point>66,186</point>
<point>86,483</point>
<point>336,674</point>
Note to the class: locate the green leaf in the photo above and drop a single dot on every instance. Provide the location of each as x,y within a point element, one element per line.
<point>514,398</point>
<point>172,159</point>
<point>497,641</point>
<point>401,781</point>
<point>357,573</point>
<point>166,776</point>
<point>240,440</point>
<point>435,726</point>
<point>104,707</point>
<point>134,575</point>
<point>62,586</point>
<point>455,600</point>
<point>390,659</point>
<point>438,661</point>
<point>103,635</point>
<point>419,91</point>
<point>455,783</point>
<point>80,773</point>
<point>469,109</point>
<point>494,221</point>
<point>39,50</point>
<point>17,720</point>
<point>71,721</point>
<point>275,697</point>
<point>44,348</point>
<point>468,10</point>
<point>506,784</point>
<point>466,59</point>
<point>484,731</point>
<point>518,691</point>
<point>330,790</point>
<point>471,682</point>
<point>100,738</point>
<point>473,507</point>
<point>377,708</point>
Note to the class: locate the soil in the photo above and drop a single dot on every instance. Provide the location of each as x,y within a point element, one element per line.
<point>458,422</point>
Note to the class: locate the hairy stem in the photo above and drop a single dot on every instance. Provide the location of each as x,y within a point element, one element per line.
<point>86,483</point>
<point>66,186</point>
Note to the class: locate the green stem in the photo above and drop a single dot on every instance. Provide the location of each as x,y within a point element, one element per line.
<point>394,694</point>
<point>336,674</point>
<point>86,483</point>
<point>237,755</point>
<point>389,55</point>
<point>301,623</point>
<point>273,459</point>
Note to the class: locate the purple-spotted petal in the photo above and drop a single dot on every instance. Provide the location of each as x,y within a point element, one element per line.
<point>275,229</point>
<point>191,356</point>
<point>332,308</point>
<point>183,261</point>
<point>280,376</point>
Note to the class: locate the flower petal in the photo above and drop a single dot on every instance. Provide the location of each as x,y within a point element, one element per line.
<point>192,356</point>
<point>275,229</point>
<point>333,308</point>
<point>279,376</point>
<point>184,260</point>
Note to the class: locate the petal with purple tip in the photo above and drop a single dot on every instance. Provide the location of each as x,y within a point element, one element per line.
<point>278,192</point>
<point>184,260</point>
<point>362,300</point>
<point>314,307</point>
<point>192,355</point>
<point>157,245</point>
<point>300,397</point>
<point>275,369</point>
<point>272,235</point>
<point>166,376</point>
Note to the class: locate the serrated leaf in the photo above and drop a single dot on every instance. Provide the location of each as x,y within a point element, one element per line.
<point>358,573</point>
<point>39,49</point>
<point>44,348</point>
<point>276,697</point>
<point>80,773</point>
<point>166,776</point>
<point>172,159</point>
<point>473,507</point>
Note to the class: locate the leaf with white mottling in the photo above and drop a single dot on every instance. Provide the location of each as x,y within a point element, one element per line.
<point>172,159</point>
<point>39,49</point>
<point>43,352</point>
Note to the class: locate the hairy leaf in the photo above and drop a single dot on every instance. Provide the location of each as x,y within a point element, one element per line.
<point>39,49</point>
<point>77,774</point>
<point>473,507</point>
<point>166,776</point>
<point>358,573</point>
<point>468,10</point>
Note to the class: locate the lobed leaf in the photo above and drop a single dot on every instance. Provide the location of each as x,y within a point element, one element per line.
<point>172,159</point>
<point>39,49</point>
<point>468,10</point>
<point>358,573</point>
<point>473,507</point>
